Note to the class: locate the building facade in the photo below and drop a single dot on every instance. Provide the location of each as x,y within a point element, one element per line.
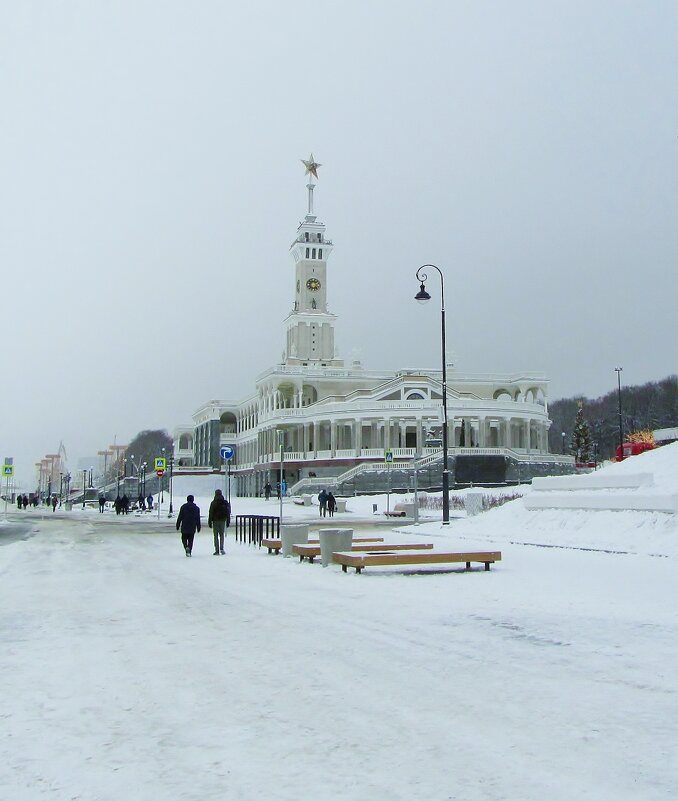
<point>333,420</point>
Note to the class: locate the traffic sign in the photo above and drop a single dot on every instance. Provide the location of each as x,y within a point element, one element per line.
<point>160,463</point>
<point>388,456</point>
<point>8,469</point>
<point>160,473</point>
<point>227,452</point>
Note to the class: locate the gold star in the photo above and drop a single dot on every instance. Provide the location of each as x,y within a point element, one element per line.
<point>311,166</point>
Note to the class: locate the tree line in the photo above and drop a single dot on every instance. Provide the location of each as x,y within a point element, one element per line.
<point>648,406</point>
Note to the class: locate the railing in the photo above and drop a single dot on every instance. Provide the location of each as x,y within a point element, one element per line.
<point>253,528</point>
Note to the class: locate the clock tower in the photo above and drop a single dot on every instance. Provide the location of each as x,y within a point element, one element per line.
<point>309,326</point>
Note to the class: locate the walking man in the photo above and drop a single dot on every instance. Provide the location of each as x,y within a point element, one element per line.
<point>189,521</point>
<point>218,518</point>
<point>322,503</point>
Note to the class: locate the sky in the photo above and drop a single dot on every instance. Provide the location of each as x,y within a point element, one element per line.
<point>151,185</point>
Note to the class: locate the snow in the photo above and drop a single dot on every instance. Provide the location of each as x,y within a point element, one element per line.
<point>131,672</point>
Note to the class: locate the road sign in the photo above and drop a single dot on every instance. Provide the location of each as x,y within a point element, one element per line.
<point>160,463</point>
<point>388,456</point>
<point>160,473</point>
<point>227,452</point>
<point>8,469</point>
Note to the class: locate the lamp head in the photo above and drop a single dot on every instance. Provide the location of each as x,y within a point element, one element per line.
<point>422,296</point>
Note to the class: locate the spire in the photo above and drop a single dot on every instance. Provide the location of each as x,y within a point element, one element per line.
<point>311,169</point>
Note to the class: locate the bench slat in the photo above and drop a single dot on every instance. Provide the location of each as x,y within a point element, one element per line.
<point>311,551</point>
<point>361,560</point>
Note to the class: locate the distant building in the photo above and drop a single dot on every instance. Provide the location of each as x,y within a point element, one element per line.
<point>336,420</point>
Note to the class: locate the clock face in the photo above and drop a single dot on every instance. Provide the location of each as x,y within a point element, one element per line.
<point>313,284</point>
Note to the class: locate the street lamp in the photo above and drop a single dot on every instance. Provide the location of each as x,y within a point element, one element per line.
<point>564,435</point>
<point>422,297</point>
<point>618,370</point>
<point>84,486</point>
<point>171,467</point>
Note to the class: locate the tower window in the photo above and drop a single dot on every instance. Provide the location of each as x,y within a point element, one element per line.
<point>320,253</point>
<point>306,236</point>
<point>320,237</point>
<point>307,252</point>
<point>313,256</point>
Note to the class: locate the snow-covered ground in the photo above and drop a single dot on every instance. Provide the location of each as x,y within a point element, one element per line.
<point>131,672</point>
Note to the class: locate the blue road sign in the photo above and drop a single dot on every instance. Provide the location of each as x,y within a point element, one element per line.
<point>227,452</point>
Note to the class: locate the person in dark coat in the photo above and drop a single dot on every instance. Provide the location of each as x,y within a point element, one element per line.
<point>331,504</point>
<point>24,500</point>
<point>19,502</point>
<point>189,522</point>
<point>102,503</point>
<point>141,501</point>
<point>267,490</point>
<point>322,503</point>
<point>55,501</point>
<point>124,504</point>
<point>218,518</point>
<point>149,502</point>
<point>118,504</point>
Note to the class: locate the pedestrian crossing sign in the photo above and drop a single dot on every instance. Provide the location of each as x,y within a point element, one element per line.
<point>160,463</point>
<point>388,457</point>
<point>8,470</point>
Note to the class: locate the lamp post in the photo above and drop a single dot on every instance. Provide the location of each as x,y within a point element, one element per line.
<point>281,443</point>
<point>564,436</point>
<point>422,297</point>
<point>618,370</point>
<point>171,467</point>
<point>84,486</point>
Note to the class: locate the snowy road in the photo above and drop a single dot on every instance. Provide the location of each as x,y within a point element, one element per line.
<point>131,672</point>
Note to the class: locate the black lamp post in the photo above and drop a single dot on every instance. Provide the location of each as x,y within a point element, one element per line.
<point>618,370</point>
<point>171,468</point>
<point>564,435</point>
<point>84,486</point>
<point>422,296</point>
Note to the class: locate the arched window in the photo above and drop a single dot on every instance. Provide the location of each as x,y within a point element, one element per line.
<point>313,256</point>
<point>307,252</point>
<point>320,253</point>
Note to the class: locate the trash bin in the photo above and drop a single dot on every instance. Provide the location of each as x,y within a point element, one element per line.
<point>473,502</point>
<point>292,534</point>
<point>341,505</point>
<point>332,540</point>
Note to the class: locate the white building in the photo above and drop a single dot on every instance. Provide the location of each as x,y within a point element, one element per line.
<point>333,417</point>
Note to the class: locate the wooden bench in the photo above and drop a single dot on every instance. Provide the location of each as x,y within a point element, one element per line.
<point>276,545</point>
<point>311,550</point>
<point>361,560</point>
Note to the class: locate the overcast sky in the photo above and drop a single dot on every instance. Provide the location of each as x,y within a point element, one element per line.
<point>151,184</point>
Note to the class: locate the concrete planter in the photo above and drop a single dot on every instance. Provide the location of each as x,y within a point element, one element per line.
<point>292,534</point>
<point>332,540</point>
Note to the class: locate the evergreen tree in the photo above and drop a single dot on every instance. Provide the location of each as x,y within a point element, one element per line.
<point>580,444</point>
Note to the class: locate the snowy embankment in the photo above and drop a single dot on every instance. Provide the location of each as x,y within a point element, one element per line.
<point>132,672</point>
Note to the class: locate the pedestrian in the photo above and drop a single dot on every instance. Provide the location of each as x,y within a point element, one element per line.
<point>277,490</point>
<point>331,504</point>
<point>141,502</point>
<point>189,521</point>
<point>149,502</point>
<point>19,502</point>
<point>102,503</point>
<point>24,500</point>
<point>219,517</point>
<point>322,501</point>
<point>55,501</point>
<point>124,504</point>
<point>267,490</point>
<point>118,504</point>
